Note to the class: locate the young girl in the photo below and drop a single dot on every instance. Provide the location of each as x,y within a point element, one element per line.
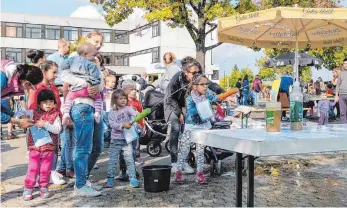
<point>84,66</point>
<point>196,93</point>
<point>120,117</point>
<point>41,157</point>
<point>324,106</point>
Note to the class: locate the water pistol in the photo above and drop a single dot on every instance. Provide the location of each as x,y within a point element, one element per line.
<point>142,115</point>
<point>227,94</point>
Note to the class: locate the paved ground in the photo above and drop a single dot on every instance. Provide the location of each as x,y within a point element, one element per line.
<point>304,180</point>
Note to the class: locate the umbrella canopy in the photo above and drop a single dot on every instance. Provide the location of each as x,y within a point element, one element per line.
<point>281,27</point>
<point>289,59</point>
<point>286,27</point>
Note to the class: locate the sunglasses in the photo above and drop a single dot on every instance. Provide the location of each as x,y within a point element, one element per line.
<point>194,73</point>
<point>202,84</point>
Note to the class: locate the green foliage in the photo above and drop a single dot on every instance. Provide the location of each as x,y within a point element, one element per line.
<point>73,46</point>
<point>229,81</point>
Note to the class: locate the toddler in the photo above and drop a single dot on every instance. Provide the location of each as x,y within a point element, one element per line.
<point>324,108</point>
<point>120,117</point>
<point>41,154</point>
<point>196,94</point>
<point>85,66</point>
<point>217,117</point>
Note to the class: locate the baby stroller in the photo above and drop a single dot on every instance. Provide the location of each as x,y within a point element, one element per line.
<point>156,126</point>
<point>213,156</point>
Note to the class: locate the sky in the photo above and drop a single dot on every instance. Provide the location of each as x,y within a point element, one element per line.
<point>226,55</point>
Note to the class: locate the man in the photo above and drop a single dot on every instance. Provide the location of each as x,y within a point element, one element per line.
<point>67,135</point>
<point>59,56</point>
<point>286,82</point>
<point>172,68</point>
<point>257,87</point>
<point>239,86</point>
<point>143,80</point>
<point>174,104</point>
<point>341,92</point>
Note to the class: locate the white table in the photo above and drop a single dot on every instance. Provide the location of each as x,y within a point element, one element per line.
<point>259,143</point>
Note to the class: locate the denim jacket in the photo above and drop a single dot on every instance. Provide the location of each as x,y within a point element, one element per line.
<point>192,116</point>
<point>82,68</point>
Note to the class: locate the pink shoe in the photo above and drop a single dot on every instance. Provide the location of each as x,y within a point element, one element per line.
<point>200,178</point>
<point>45,193</point>
<point>179,177</point>
<point>27,194</point>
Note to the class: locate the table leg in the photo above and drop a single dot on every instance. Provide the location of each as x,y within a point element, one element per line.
<point>238,179</point>
<point>250,190</point>
<point>241,120</point>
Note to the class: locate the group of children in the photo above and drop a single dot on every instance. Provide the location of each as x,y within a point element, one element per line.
<point>117,107</point>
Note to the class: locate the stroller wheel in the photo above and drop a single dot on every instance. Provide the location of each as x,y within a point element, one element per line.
<point>167,146</point>
<point>212,168</point>
<point>215,168</point>
<point>154,148</point>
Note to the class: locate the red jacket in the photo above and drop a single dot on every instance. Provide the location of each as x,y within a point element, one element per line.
<point>32,100</point>
<point>50,117</point>
<point>137,105</point>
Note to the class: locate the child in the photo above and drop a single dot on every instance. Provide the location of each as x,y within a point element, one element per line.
<point>120,117</point>
<point>196,93</point>
<point>130,90</point>
<point>84,66</point>
<point>110,84</point>
<point>323,108</point>
<point>217,117</point>
<point>41,157</point>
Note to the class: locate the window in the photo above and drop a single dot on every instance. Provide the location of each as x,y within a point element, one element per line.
<point>122,60</point>
<point>53,32</point>
<point>14,54</point>
<point>107,35</point>
<point>85,31</point>
<point>155,55</point>
<point>14,30</point>
<point>215,75</point>
<point>33,31</point>
<point>121,37</point>
<point>49,52</point>
<point>155,29</point>
<point>107,58</point>
<point>70,33</point>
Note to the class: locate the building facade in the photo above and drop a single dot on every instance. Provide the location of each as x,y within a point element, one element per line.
<point>127,49</point>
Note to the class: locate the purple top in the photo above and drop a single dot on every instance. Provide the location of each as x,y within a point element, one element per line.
<point>324,106</point>
<point>117,118</point>
<point>104,93</point>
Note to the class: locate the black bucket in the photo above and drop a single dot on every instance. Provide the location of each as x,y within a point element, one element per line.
<point>156,177</point>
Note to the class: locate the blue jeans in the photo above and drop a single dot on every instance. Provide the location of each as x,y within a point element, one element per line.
<point>116,147</point>
<point>67,151</point>
<point>82,116</point>
<point>122,163</point>
<point>98,145</point>
<point>245,97</point>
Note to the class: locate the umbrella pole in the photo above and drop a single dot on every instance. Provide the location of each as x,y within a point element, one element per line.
<point>296,65</point>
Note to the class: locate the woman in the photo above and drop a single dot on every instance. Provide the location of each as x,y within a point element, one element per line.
<point>14,80</point>
<point>174,103</point>
<point>172,68</point>
<point>89,134</point>
<point>36,57</point>
<point>245,90</point>
<point>336,74</point>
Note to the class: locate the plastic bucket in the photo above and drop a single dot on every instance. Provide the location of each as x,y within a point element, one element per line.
<point>156,177</point>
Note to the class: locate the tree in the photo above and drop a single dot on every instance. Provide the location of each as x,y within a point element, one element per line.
<point>249,72</point>
<point>73,46</point>
<point>179,13</point>
<point>234,76</point>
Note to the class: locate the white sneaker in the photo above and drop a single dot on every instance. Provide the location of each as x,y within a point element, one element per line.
<point>57,178</point>
<point>93,186</point>
<point>173,167</point>
<point>187,169</point>
<point>86,191</point>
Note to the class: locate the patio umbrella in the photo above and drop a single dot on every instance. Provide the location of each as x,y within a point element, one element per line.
<point>286,27</point>
<point>289,59</point>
